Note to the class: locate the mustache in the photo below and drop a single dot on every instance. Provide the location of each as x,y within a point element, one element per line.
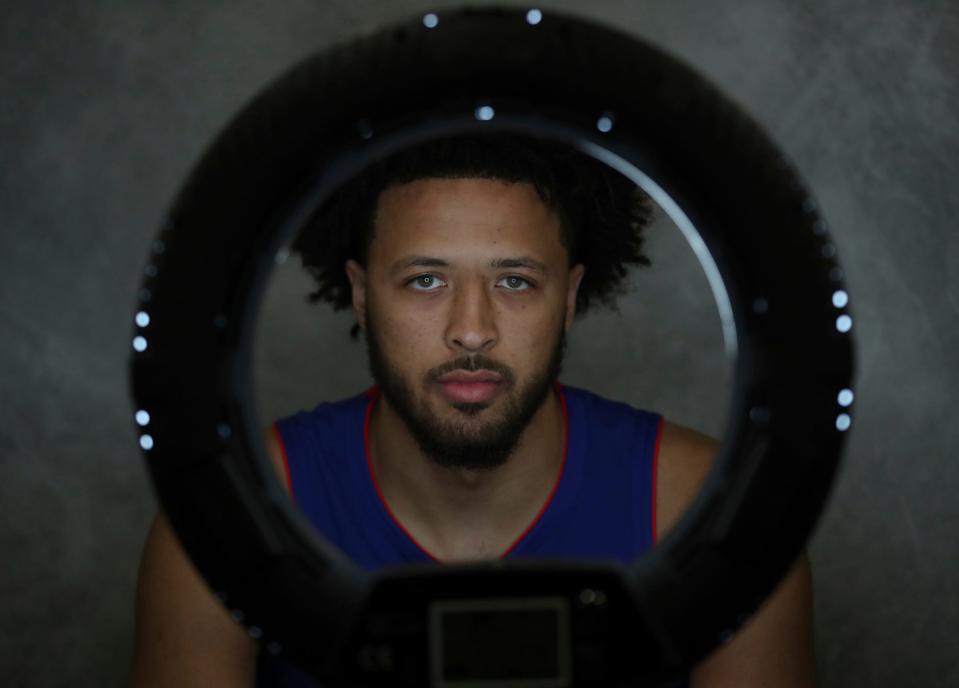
<point>472,364</point>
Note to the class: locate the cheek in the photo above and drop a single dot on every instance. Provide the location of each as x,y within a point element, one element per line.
<point>406,341</point>
<point>530,336</point>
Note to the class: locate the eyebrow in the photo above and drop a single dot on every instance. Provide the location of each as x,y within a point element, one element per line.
<point>431,262</point>
<point>523,262</point>
<point>417,261</point>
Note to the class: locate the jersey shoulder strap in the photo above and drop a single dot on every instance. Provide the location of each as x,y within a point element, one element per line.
<point>605,505</point>
<point>323,450</point>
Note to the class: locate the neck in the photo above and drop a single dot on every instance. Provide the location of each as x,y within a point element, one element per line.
<point>459,513</point>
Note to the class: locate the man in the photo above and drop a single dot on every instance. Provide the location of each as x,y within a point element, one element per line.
<point>465,261</point>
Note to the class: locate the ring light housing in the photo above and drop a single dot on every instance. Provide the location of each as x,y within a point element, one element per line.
<point>744,210</point>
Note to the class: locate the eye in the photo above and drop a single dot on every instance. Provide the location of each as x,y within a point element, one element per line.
<point>426,283</point>
<point>515,283</point>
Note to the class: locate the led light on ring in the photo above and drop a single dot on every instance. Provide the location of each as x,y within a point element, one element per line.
<point>485,113</point>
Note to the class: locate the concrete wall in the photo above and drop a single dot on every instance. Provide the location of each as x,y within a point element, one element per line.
<point>104,106</point>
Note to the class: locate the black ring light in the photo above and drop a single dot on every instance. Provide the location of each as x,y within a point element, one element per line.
<point>744,209</point>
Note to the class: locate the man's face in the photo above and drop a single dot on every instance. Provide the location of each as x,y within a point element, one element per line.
<point>465,301</point>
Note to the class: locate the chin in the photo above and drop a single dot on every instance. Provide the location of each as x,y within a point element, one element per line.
<point>471,409</point>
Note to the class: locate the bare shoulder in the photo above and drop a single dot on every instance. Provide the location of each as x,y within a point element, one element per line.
<point>775,648</point>
<point>685,457</point>
<point>184,637</point>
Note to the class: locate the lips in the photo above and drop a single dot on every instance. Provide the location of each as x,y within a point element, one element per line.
<point>470,377</point>
<point>470,387</point>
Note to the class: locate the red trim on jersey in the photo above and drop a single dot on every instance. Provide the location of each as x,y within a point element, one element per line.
<point>286,462</point>
<point>659,436</point>
<point>559,479</point>
<point>373,394</point>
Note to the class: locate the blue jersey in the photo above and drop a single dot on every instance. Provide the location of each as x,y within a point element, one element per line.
<point>602,506</point>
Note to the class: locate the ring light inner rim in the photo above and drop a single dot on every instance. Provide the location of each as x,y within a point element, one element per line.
<point>353,162</point>
<point>685,225</point>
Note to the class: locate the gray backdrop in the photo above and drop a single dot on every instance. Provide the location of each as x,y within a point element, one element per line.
<point>103,108</point>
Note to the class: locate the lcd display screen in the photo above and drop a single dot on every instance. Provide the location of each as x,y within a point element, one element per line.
<point>500,643</point>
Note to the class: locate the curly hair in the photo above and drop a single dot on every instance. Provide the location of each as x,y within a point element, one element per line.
<point>602,214</point>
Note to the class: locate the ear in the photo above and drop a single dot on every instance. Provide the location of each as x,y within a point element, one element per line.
<point>575,278</point>
<point>357,276</point>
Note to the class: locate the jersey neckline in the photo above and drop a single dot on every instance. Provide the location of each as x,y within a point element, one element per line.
<point>372,394</point>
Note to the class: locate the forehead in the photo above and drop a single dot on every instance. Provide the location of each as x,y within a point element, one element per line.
<point>465,215</point>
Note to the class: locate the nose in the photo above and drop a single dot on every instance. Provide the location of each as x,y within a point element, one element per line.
<point>472,322</point>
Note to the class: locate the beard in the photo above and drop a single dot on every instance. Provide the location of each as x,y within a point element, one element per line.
<point>469,441</point>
